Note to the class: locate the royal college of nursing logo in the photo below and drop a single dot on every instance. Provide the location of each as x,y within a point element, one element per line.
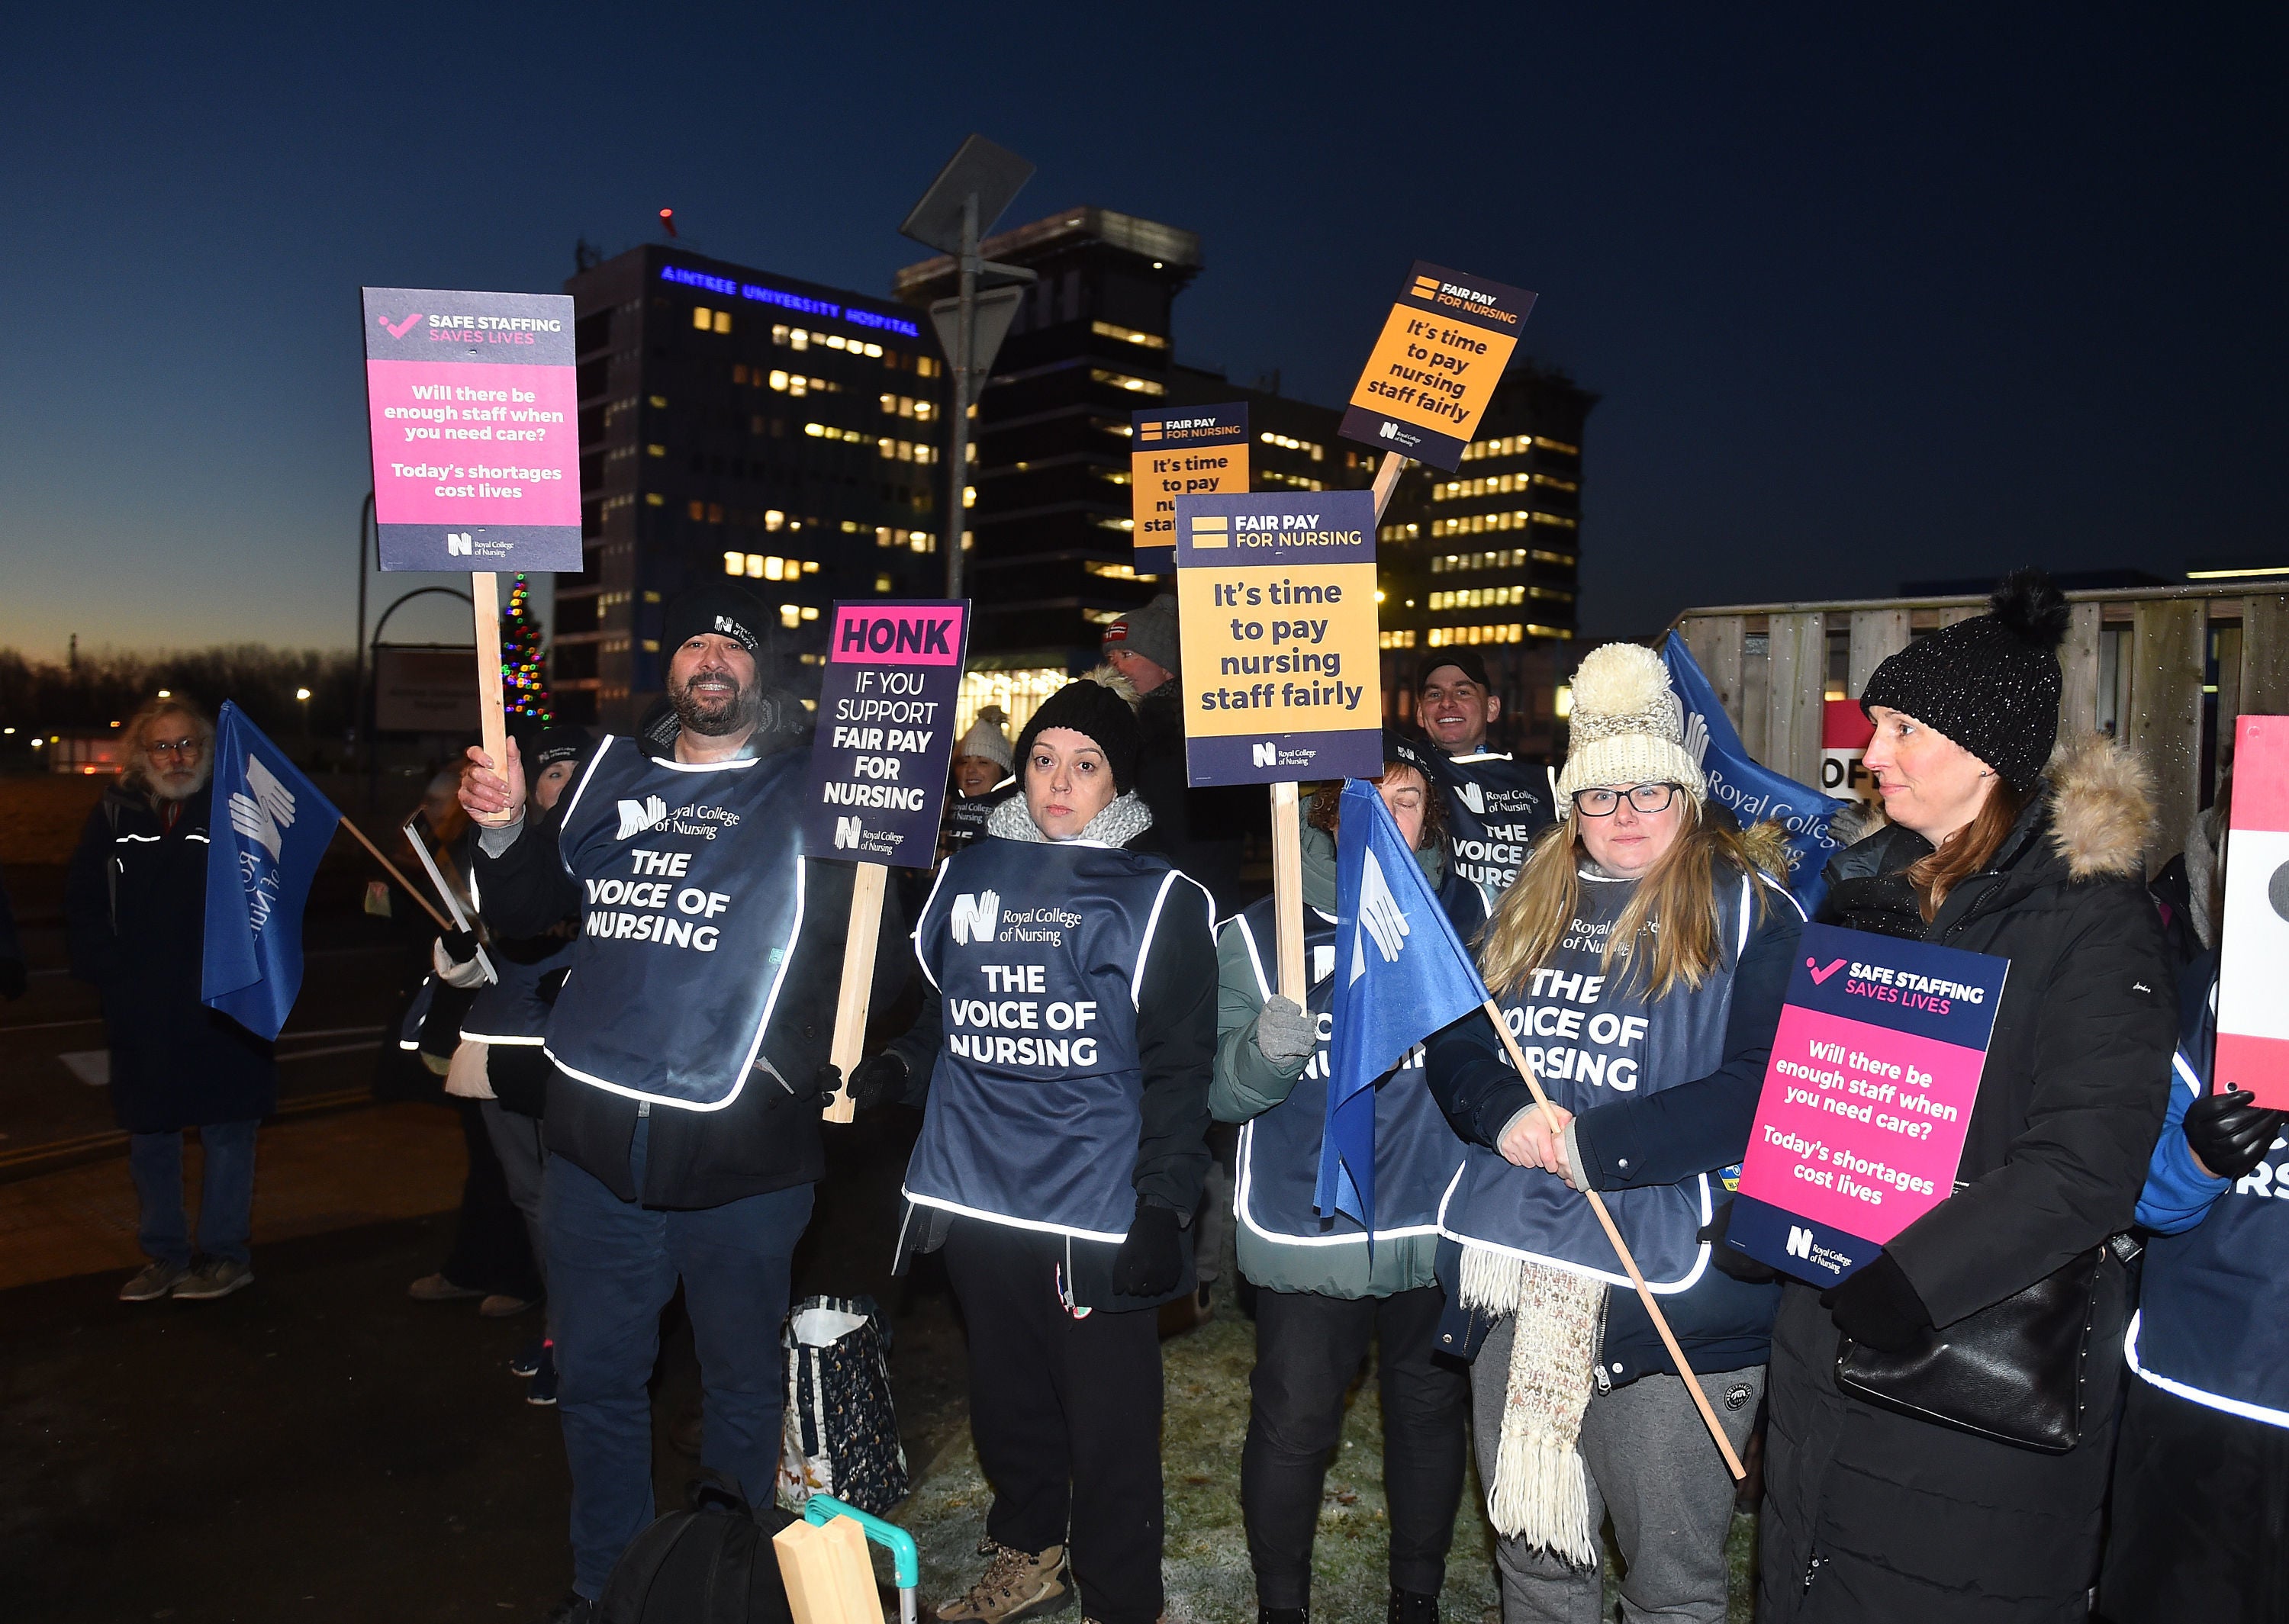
<point>1380,917</point>
<point>976,918</point>
<point>1471,796</point>
<point>638,816</point>
<point>265,816</point>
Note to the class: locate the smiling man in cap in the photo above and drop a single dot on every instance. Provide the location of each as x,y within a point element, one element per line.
<point>682,1110</point>
<point>1495,804</point>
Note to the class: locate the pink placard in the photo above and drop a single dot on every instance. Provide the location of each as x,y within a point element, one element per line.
<point>896,634</point>
<point>1860,1126</point>
<point>461,442</point>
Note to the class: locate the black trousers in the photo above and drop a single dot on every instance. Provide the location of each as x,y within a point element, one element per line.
<point>2200,1497</point>
<point>1308,1349</point>
<point>492,1252</point>
<point>1066,1415</point>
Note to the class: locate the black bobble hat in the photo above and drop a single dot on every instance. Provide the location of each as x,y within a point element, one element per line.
<point>562,743</point>
<point>1990,684</point>
<point>1089,708</point>
<point>720,608</point>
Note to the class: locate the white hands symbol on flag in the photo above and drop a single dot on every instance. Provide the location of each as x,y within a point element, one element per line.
<point>1380,916</point>
<point>1696,738</point>
<point>266,816</point>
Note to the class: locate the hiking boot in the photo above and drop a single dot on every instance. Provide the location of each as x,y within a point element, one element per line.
<point>153,1281</point>
<point>1408,1607</point>
<point>218,1277</point>
<point>500,1305</point>
<point>1015,1585</point>
<point>437,1289</point>
<point>542,1388</point>
<point>572,1608</point>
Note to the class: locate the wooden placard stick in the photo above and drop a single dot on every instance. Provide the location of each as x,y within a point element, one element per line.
<point>391,869</point>
<point>484,598</point>
<point>857,984</point>
<point>1386,480</point>
<point>1288,890</point>
<point>1621,1250</point>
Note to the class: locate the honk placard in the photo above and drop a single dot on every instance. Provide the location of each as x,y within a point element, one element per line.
<point>1275,596</point>
<point>1434,367</point>
<point>1180,452</point>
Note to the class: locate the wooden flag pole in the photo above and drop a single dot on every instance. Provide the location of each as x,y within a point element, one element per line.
<point>857,984</point>
<point>1621,1250</point>
<point>420,901</point>
<point>484,598</point>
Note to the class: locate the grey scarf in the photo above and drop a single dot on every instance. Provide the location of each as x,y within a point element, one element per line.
<point>1118,824</point>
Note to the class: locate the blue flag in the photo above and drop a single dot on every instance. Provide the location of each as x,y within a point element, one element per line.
<point>1753,792</point>
<point>268,828</point>
<point>1400,974</point>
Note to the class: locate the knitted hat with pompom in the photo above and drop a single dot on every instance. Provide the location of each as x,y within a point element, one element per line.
<point>1627,727</point>
<point>1992,683</point>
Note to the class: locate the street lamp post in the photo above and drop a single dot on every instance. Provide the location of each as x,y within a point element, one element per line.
<point>960,206</point>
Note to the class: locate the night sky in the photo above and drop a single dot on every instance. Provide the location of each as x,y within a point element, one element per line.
<point>1865,303</point>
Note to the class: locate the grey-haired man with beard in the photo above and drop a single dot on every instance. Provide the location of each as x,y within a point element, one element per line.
<point>135,907</point>
<point>684,1049</point>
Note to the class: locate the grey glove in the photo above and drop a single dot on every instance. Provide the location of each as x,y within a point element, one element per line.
<point>1284,1033</point>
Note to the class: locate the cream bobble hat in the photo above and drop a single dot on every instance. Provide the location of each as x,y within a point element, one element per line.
<point>1627,727</point>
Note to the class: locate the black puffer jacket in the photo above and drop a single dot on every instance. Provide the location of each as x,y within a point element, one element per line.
<point>1870,1515</point>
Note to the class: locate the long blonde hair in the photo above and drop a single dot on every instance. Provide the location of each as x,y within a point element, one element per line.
<point>1674,906</point>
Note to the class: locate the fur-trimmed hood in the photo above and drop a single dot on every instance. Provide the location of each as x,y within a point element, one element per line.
<point>2101,808</point>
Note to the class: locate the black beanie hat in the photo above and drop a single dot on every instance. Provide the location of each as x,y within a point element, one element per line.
<point>562,743</point>
<point>718,607</point>
<point>1990,684</point>
<point>1411,752</point>
<point>1095,710</point>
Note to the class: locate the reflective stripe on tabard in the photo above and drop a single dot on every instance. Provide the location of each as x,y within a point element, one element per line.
<point>1416,1154</point>
<point>692,896</point>
<point>1594,1039</point>
<point>1039,954</point>
<point>1495,808</point>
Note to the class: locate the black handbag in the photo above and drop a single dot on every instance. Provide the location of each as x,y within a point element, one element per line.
<point>2015,1371</point>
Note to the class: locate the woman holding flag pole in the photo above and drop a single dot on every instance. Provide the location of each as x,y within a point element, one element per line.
<point>1639,961</point>
<point>1325,1292</point>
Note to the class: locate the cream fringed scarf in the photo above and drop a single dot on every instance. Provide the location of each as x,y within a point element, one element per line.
<point>1540,1492</point>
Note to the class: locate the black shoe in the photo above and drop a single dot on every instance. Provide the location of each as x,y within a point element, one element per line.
<point>573,1609</point>
<point>1409,1608</point>
<point>1282,1615</point>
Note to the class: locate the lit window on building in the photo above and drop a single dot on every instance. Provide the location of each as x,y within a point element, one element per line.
<point>1501,558</point>
<point>1478,597</point>
<point>823,431</point>
<point>1478,524</point>
<point>1114,572</point>
<point>1289,443</point>
<point>1399,532</point>
<point>802,338</point>
<point>763,566</point>
<point>907,406</point>
<point>1294,482</point>
<point>1122,380</point>
<point>1395,639</point>
<point>1455,637</point>
<point>1128,335</point>
<point>1517,445</point>
<point>905,450</point>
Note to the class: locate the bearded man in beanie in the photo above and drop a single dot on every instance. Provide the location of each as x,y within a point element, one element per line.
<point>682,1106</point>
<point>1198,831</point>
<point>1495,805</point>
<point>1062,1058</point>
<point>1996,844</point>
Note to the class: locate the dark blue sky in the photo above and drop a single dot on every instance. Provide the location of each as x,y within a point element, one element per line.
<point>1865,302</point>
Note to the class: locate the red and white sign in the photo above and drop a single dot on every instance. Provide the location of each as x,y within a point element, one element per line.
<point>2253,1037</point>
<point>1845,731</point>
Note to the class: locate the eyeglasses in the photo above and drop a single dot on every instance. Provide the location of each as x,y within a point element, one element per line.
<point>174,747</point>
<point>1643,798</point>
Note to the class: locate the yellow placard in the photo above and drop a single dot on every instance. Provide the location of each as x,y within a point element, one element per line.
<point>1290,650</point>
<point>1180,452</point>
<point>1432,370</point>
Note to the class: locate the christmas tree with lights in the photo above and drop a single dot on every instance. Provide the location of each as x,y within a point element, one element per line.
<point>525,671</point>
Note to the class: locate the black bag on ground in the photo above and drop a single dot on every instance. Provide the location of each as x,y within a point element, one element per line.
<point>711,1565</point>
<point>2013,1373</point>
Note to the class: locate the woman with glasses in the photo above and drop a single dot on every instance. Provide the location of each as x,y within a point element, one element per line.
<point>1639,959</point>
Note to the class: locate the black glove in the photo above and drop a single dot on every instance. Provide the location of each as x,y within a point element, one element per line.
<point>1879,1306</point>
<point>2230,1135</point>
<point>1728,1259</point>
<point>12,978</point>
<point>552,984</point>
<point>1152,1260</point>
<point>460,945</point>
<point>876,1081</point>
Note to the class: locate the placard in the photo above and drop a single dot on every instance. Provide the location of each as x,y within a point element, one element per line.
<point>1180,452</point>
<point>471,402</point>
<point>1867,1098</point>
<point>1443,351</point>
<point>2253,1027</point>
<point>1845,731</point>
<point>885,740</point>
<point>1275,599</point>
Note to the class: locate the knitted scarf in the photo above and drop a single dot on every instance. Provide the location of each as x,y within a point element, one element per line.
<point>1119,823</point>
<point>1541,1491</point>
